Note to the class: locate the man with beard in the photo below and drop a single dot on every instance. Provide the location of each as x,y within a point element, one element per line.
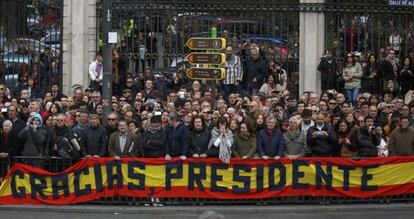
<point>234,73</point>
<point>154,138</point>
<point>321,138</point>
<point>402,140</point>
<point>307,120</point>
<point>95,139</point>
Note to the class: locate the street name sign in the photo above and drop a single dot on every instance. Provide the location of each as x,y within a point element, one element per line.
<point>206,58</point>
<point>203,43</point>
<point>205,73</point>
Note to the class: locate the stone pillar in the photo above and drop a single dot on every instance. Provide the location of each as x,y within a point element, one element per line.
<point>311,47</point>
<point>79,42</point>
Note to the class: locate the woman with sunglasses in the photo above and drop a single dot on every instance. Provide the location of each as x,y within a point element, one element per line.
<point>352,74</point>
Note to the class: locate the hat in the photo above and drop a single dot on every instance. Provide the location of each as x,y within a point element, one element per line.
<point>38,117</point>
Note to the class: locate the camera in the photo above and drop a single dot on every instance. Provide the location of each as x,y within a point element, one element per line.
<point>4,110</point>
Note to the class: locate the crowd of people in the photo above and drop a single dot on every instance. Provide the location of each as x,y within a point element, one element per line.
<point>255,113</point>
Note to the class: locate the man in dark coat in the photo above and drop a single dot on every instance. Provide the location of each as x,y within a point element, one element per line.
<point>177,138</point>
<point>321,138</point>
<point>95,140</point>
<point>328,69</point>
<point>270,141</point>
<point>365,139</point>
<point>255,72</point>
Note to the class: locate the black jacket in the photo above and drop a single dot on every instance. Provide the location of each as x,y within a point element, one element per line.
<point>328,69</point>
<point>199,140</point>
<point>322,146</point>
<point>365,142</point>
<point>57,134</point>
<point>255,69</point>
<point>177,140</point>
<point>154,143</point>
<point>8,146</point>
<point>95,141</point>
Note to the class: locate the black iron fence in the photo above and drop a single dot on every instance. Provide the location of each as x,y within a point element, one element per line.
<point>30,45</point>
<point>153,33</point>
<point>369,26</point>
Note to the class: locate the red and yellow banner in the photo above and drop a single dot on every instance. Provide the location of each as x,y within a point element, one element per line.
<point>91,179</point>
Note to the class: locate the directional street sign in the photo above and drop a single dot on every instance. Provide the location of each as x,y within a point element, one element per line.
<point>202,43</point>
<point>206,58</point>
<point>205,73</point>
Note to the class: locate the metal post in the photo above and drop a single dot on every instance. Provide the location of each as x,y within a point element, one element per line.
<point>107,60</point>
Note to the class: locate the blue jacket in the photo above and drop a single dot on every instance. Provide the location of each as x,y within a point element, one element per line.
<point>270,147</point>
<point>177,140</point>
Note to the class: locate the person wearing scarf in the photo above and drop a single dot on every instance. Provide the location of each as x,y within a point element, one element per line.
<point>154,138</point>
<point>244,142</point>
<point>221,141</point>
<point>295,140</point>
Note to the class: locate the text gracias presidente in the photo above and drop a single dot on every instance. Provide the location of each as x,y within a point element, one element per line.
<point>174,170</point>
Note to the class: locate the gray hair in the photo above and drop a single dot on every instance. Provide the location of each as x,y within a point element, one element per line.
<point>270,118</point>
<point>8,122</point>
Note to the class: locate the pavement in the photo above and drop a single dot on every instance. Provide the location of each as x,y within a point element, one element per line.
<point>354,211</point>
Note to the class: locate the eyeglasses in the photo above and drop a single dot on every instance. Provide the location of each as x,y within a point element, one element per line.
<point>77,115</point>
<point>122,100</point>
<point>112,119</point>
<point>60,120</point>
<point>332,103</point>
